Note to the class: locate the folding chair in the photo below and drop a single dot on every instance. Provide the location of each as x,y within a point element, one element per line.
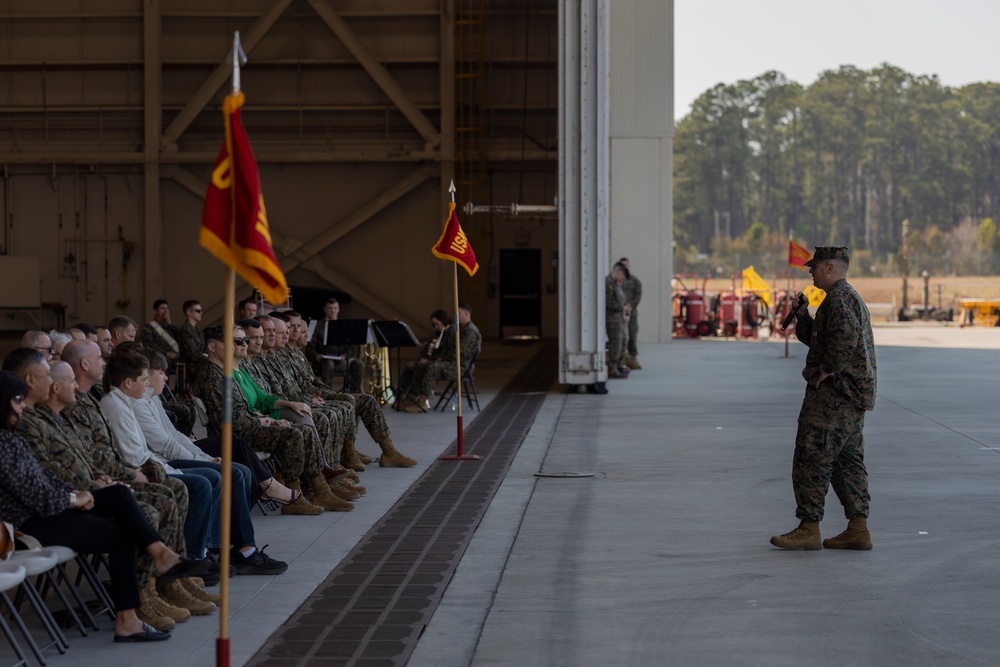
<point>38,562</point>
<point>468,388</point>
<point>12,575</point>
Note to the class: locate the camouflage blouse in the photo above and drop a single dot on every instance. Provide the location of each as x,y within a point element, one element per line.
<point>840,341</point>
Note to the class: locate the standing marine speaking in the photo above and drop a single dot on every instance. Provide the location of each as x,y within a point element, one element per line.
<point>840,387</point>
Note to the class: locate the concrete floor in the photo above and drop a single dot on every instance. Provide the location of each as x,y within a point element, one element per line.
<point>662,557</point>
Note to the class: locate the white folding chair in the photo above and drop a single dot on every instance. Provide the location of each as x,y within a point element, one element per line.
<point>11,576</point>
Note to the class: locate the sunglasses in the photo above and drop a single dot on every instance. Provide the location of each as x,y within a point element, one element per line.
<point>19,398</point>
<point>196,310</point>
<point>240,341</point>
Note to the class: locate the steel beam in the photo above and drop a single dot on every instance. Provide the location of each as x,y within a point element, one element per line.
<point>309,249</point>
<point>296,253</point>
<point>249,40</point>
<point>383,309</point>
<point>377,72</point>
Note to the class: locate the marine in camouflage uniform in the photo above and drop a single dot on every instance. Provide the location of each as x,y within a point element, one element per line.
<point>58,446</point>
<point>614,321</point>
<point>168,495</point>
<point>292,363</point>
<point>192,344</point>
<point>632,288</point>
<point>427,376</point>
<point>295,446</point>
<point>840,374</point>
<point>330,421</point>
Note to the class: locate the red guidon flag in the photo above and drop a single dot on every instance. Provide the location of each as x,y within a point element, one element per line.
<point>454,245</point>
<point>234,223</point>
<point>797,255</point>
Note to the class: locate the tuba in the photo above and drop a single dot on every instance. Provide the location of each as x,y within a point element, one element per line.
<point>376,380</point>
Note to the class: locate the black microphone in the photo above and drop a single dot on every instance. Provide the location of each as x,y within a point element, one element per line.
<point>791,314</point>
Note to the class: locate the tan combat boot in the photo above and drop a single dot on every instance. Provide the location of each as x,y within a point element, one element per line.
<point>417,406</point>
<point>343,491</point>
<point>632,363</point>
<point>178,596</point>
<point>391,458</point>
<point>349,457</point>
<point>349,483</point>
<point>149,615</point>
<point>164,608</point>
<point>301,506</point>
<point>805,537</point>
<point>323,496</point>
<point>855,537</point>
<point>196,591</point>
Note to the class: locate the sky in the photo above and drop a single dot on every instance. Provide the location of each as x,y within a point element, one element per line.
<point>723,41</point>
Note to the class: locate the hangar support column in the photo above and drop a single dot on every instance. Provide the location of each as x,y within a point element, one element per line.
<point>615,170</point>
<point>583,188</point>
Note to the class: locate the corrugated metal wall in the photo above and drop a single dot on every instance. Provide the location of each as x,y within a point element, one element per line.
<point>74,88</point>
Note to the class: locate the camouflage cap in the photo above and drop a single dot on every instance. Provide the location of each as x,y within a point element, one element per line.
<point>824,252</point>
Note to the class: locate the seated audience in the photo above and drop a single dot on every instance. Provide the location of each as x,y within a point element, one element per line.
<point>106,520</point>
<point>172,448</point>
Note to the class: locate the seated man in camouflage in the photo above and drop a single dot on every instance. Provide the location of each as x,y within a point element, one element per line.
<point>291,358</point>
<point>332,423</point>
<point>296,447</point>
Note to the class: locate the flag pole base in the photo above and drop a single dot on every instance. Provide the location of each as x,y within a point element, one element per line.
<point>459,457</point>
<point>222,652</point>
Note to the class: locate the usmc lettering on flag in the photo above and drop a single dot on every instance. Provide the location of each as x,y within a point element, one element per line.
<point>454,245</point>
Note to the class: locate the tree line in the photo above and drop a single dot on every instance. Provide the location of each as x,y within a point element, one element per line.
<point>843,161</point>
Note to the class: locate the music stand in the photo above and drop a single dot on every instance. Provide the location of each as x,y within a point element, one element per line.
<point>348,333</point>
<point>394,334</point>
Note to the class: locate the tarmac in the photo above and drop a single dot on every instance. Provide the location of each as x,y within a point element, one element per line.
<point>632,528</point>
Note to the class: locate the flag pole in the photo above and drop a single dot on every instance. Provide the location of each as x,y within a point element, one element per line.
<point>788,292</point>
<point>460,454</point>
<point>222,643</point>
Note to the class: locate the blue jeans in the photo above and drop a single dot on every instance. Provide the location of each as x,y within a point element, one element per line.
<point>204,488</point>
<point>242,534</point>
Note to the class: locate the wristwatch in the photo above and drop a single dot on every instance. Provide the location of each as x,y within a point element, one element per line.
<point>72,499</point>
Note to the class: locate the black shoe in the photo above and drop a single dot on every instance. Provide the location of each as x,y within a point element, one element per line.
<point>215,569</point>
<point>186,568</point>
<point>258,563</point>
<point>148,634</point>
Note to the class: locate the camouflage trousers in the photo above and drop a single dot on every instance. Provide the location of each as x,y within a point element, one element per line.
<point>340,424</point>
<point>427,376</point>
<point>165,506</point>
<point>824,458</point>
<point>633,333</point>
<point>616,341</point>
<point>286,443</point>
<point>367,408</point>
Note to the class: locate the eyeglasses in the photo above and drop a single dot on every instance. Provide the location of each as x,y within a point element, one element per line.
<point>241,341</point>
<point>50,350</point>
<point>19,398</point>
<point>196,310</point>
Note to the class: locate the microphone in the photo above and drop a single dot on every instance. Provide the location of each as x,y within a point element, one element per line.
<point>791,314</point>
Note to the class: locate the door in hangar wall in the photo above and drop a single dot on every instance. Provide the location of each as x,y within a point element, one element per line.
<point>521,293</point>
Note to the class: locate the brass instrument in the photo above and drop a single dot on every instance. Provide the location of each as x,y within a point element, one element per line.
<point>376,380</point>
